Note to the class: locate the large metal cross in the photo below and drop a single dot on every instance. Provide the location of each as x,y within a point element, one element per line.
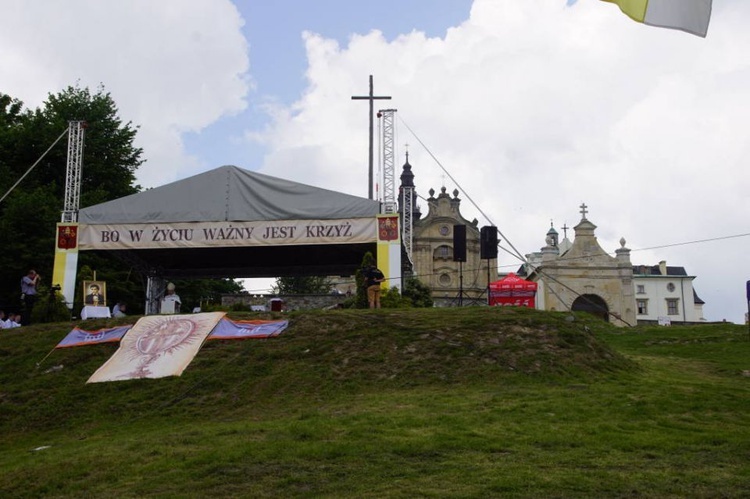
<point>583,210</point>
<point>372,99</point>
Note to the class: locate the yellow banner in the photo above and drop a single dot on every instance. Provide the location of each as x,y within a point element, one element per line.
<point>389,250</point>
<point>66,261</point>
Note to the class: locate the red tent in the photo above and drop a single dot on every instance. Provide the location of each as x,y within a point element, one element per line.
<point>512,290</point>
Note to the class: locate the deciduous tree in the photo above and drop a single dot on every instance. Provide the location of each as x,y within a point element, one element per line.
<point>302,285</point>
<point>28,215</point>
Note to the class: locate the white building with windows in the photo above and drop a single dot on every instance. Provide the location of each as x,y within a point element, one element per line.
<point>665,294</point>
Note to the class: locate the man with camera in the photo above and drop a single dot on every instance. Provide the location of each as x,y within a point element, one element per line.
<point>29,284</point>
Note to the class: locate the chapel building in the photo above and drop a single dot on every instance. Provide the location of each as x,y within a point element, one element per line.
<point>584,277</point>
<point>580,275</point>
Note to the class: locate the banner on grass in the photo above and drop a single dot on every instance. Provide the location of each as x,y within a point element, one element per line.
<point>228,329</point>
<point>158,346</point>
<point>79,337</point>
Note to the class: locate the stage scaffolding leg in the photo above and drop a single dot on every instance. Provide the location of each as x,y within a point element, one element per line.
<point>155,286</point>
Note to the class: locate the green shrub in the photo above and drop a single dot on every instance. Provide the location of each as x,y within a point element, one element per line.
<point>50,308</point>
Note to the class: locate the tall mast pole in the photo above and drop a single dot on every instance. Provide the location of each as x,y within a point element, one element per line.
<point>371,97</point>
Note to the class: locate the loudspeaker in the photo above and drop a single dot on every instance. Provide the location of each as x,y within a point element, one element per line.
<point>459,243</point>
<point>488,242</point>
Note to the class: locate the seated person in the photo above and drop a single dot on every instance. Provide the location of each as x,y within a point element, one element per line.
<point>14,320</point>
<point>119,309</point>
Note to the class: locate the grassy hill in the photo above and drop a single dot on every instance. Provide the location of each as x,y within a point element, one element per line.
<point>389,403</point>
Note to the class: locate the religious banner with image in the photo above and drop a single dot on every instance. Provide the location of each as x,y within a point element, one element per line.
<point>389,250</point>
<point>158,346</point>
<point>66,261</point>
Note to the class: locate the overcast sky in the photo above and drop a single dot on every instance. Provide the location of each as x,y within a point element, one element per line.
<point>532,106</point>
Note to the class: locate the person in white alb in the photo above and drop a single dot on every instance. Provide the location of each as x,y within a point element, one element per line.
<point>172,296</point>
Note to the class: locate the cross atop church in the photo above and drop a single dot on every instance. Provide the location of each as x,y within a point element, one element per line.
<point>565,230</point>
<point>583,211</point>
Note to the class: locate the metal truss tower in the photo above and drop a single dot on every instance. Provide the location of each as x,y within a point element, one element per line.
<point>407,208</point>
<point>389,167</point>
<point>73,171</point>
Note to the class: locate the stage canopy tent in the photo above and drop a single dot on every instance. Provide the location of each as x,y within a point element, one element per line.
<point>512,290</point>
<point>231,222</point>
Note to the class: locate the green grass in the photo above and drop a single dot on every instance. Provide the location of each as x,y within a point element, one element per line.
<point>473,402</point>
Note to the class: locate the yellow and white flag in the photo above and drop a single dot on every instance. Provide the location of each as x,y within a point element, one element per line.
<point>691,16</point>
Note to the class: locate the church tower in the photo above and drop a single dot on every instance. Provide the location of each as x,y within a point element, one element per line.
<point>407,185</point>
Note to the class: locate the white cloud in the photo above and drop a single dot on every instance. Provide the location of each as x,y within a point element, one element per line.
<point>535,107</point>
<point>172,66</point>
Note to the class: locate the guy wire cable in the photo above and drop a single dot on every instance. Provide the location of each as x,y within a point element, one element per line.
<point>518,254</point>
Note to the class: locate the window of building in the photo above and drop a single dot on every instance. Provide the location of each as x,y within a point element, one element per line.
<point>642,307</point>
<point>672,306</point>
<point>443,253</point>
<point>670,287</point>
<point>641,289</point>
<point>444,279</point>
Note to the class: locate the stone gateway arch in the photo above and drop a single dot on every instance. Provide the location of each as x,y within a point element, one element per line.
<point>593,304</point>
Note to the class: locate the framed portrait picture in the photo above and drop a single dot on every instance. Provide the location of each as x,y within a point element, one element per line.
<point>95,293</point>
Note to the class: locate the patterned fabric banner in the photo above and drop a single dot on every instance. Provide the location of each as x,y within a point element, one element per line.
<point>228,329</point>
<point>158,346</point>
<point>78,337</point>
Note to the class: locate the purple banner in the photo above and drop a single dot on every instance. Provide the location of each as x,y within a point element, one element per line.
<point>78,337</point>
<point>228,329</point>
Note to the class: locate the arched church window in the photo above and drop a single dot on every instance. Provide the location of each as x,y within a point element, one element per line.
<point>443,253</point>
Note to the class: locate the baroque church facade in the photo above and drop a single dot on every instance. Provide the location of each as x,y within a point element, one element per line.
<point>452,282</point>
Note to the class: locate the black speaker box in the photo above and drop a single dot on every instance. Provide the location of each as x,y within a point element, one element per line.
<point>459,243</point>
<point>488,242</point>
